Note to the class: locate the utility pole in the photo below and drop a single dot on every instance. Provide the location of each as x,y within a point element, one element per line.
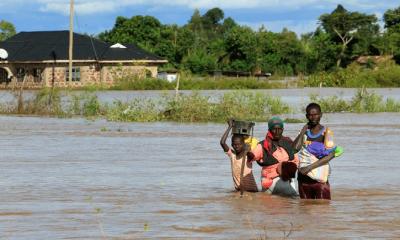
<point>71,38</point>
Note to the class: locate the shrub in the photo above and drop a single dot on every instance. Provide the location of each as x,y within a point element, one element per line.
<point>138,110</point>
<point>331,104</point>
<point>188,108</point>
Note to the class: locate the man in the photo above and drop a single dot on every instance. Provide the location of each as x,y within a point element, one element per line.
<point>316,141</point>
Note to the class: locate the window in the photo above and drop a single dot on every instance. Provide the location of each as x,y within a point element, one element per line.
<point>21,74</point>
<point>3,76</point>
<point>37,74</point>
<point>76,74</point>
<point>148,73</point>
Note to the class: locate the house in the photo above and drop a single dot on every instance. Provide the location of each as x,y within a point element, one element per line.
<point>40,59</point>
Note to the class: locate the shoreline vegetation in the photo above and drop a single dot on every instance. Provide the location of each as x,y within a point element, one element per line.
<point>385,74</point>
<point>194,107</point>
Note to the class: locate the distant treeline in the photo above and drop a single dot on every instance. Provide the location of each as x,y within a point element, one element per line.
<point>212,41</point>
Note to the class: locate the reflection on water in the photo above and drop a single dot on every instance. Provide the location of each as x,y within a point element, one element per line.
<point>77,179</point>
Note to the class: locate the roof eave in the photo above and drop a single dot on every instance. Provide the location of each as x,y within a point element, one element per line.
<point>133,61</point>
<point>90,61</point>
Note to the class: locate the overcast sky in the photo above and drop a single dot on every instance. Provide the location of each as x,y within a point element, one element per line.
<point>95,16</point>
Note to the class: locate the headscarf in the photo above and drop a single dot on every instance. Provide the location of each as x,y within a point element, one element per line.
<point>284,142</point>
<point>275,121</point>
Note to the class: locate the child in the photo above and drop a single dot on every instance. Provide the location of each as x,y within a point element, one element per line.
<point>242,172</point>
<point>317,149</point>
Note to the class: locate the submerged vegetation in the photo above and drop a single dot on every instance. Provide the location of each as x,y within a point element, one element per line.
<point>191,82</point>
<point>181,108</point>
<point>362,102</point>
<point>193,107</point>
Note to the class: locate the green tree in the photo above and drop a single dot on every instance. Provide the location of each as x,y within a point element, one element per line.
<point>145,31</point>
<point>196,23</point>
<point>200,61</point>
<point>167,45</point>
<point>392,20</point>
<point>185,42</point>
<point>391,38</point>
<point>227,25</point>
<point>212,23</point>
<point>320,51</point>
<point>240,43</point>
<point>291,52</point>
<point>212,18</point>
<point>279,53</point>
<point>346,26</point>
<point>7,30</point>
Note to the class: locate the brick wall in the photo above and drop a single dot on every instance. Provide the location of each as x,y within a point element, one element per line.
<point>90,74</point>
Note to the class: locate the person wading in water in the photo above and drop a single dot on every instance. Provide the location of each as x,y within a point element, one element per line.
<point>279,163</point>
<point>316,149</point>
<point>242,172</point>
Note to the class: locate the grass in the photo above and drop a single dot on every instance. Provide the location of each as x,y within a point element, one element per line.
<point>363,101</point>
<point>190,82</point>
<point>241,105</point>
<point>220,83</point>
<point>134,83</point>
<point>294,120</point>
<point>385,74</point>
<point>197,108</point>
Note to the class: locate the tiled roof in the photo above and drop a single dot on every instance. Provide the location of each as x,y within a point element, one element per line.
<point>47,45</point>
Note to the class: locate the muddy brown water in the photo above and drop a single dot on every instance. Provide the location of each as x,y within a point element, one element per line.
<point>80,179</point>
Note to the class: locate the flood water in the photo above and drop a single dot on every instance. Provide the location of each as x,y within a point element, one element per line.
<point>80,179</point>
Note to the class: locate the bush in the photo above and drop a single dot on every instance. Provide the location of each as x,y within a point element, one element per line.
<point>362,102</point>
<point>249,106</point>
<point>386,74</point>
<point>138,110</point>
<point>135,83</point>
<point>47,101</point>
<point>85,104</point>
<point>188,108</point>
<point>331,104</point>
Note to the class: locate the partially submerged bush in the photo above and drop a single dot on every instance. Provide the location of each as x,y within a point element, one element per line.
<point>85,104</point>
<point>188,108</point>
<point>242,105</point>
<point>331,104</point>
<point>362,102</point>
<point>249,106</point>
<point>138,110</point>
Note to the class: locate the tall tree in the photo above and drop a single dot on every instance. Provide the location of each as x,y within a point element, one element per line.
<point>320,51</point>
<point>212,22</point>
<point>228,24</point>
<point>213,17</point>
<point>195,23</point>
<point>7,30</point>
<point>141,30</point>
<point>240,43</point>
<point>391,38</point>
<point>346,26</point>
<point>392,20</point>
